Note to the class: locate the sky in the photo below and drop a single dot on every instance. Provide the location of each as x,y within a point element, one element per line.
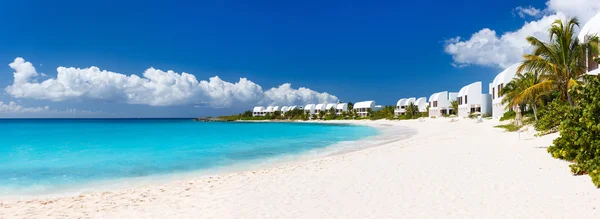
<point>207,58</point>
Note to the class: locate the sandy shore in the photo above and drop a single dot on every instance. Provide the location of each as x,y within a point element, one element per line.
<point>446,170</point>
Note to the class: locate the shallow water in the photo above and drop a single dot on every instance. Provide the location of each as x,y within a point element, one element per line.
<point>49,154</point>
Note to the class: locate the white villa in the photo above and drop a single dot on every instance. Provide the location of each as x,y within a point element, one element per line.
<point>341,107</point>
<point>592,27</point>
<point>258,111</point>
<point>361,108</point>
<point>330,106</point>
<point>294,107</point>
<point>422,104</point>
<point>407,103</point>
<point>309,108</point>
<point>471,100</point>
<point>498,109</point>
<point>440,103</point>
<point>276,108</point>
<point>400,107</point>
<point>284,109</point>
<point>320,107</point>
<point>269,109</point>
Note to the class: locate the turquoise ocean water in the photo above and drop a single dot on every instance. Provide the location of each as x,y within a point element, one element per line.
<point>43,155</point>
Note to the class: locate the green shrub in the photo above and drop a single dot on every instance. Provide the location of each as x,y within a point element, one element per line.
<point>509,127</point>
<point>508,115</point>
<point>551,115</point>
<point>579,139</point>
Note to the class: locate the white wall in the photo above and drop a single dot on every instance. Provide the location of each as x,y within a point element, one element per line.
<point>471,97</point>
<point>422,104</point>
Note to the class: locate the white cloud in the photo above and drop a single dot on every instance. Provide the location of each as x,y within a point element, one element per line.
<point>524,12</point>
<point>13,107</point>
<point>155,88</point>
<point>488,48</point>
<point>286,95</point>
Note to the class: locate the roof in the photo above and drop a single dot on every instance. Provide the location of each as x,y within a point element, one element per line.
<point>309,107</point>
<point>464,90</point>
<point>320,106</point>
<point>436,96</point>
<point>284,108</point>
<point>330,105</point>
<point>258,109</point>
<point>421,101</point>
<point>276,108</point>
<point>364,104</point>
<point>409,100</point>
<point>507,75</point>
<point>590,28</point>
<point>342,106</point>
<point>401,102</point>
<point>594,72</point>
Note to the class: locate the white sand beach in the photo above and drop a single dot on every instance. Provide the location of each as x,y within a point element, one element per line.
<point>448,169</point>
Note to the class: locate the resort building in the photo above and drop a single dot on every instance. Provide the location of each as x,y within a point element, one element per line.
<point>310,109</point>
<point>440,104</point>
<point>330,106</point>
<point>258,111</point>
<point>408,102</point>
<point>320,107</point>
<point>422,104</point>
<point>276,108</point>
<point>592,27</point>
<point>284,109</point>
<point>362,108</point>
<point>498,108</point>
<point>471,100</point>
<point>400,107</point>
<point>269,109</point>
<point>341,107</point>
<point>294,108</point>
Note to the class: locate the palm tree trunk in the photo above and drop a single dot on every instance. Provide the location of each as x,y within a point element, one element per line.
<point>534,106</point>
<point>518,116</point>
<point>570,100</point>
<point>566,93</point>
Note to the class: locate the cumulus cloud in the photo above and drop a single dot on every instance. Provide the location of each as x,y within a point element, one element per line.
<point>489,48</point>
<point>524,12</point>
<point>155,87</point>
<point>13,107</point>
<point>286,95</point>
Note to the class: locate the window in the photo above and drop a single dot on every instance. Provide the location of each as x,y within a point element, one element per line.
<point>500,86</point>
<point>465,99</point>
<point>493,94</point>
<point>592,65</point>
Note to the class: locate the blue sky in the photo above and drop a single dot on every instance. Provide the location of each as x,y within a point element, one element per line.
<point>355,50</point>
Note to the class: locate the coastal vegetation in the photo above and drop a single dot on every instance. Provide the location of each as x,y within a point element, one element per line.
<point>550,91</point>
<point>386,112</point>
<point>551,84</point>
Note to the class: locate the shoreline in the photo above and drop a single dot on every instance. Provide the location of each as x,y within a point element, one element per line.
<point>459,169</point>
<point>272,162</point>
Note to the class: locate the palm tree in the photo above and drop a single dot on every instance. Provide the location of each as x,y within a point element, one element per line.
<point>454,105</point>
<point>411,110</point>
<point>524,89</point>
<point>562,60</point>
<point>322,114</point>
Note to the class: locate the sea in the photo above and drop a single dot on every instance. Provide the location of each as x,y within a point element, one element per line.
<point>41,156</point>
